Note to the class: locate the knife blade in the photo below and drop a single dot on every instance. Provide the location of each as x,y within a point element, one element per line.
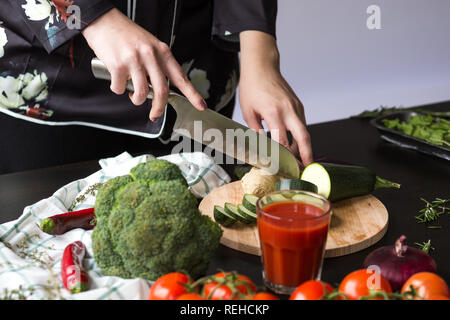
<point>221,133</point>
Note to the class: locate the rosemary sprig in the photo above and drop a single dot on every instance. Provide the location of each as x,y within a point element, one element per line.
<point>425,246</point>
<point>38,259</point>
<point>433,210</point>
<point>91,190</point>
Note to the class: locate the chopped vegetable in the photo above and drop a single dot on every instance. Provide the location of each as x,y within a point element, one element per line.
<point>222,217</point>
<point>295,184</point>
<point>434,130</point>
<point>249,202</point>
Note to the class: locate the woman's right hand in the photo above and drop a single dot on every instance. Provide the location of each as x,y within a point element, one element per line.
<point>131,52</point>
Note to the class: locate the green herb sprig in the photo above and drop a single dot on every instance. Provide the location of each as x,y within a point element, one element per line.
<point>433,210</point>
<point>91,190</point>
<point>425,246</point>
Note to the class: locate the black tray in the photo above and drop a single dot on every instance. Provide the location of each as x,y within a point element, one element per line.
<point>406,141</point>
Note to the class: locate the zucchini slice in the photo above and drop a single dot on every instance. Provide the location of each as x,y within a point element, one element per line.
<point>249,215</point>
<point>233,211</point>
<point>277,198</point>
<point>307,199</point>
<point>222,217</point>
<point>249,202</point>
<point>295,184</point>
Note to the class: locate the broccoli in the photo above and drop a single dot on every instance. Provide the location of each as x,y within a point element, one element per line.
<point>148,224</point>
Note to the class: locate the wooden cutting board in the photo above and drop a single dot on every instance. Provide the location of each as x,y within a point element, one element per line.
<point>356,223</point>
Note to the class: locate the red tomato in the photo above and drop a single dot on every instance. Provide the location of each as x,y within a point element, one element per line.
<point>427,285</point>
<point>236,287</point>
<point>439,298</point>
<point>362,283</point>
<point>169,286</point>
<point>265,296</point>
<point>190,296</point>
<point>311,290</point>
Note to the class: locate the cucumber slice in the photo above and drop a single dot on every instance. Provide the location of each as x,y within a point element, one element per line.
<point>317,174</point>
<point>249,215</point>
<point>222,217</point>
<point>295,184</point>
<point>307,199</point>
<point>233,211</point>
<point>249,202</point>
<point>277,198</point>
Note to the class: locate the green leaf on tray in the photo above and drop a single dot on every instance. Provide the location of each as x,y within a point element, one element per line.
<point>434,130</point>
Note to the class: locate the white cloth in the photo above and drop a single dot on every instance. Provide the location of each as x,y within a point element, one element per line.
<point>30,258</point>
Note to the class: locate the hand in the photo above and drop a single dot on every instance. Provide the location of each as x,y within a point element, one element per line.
<point>265,95</point>
<point>130,52</point>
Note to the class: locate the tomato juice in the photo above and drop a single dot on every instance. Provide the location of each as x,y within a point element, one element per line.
<point>293,237</point>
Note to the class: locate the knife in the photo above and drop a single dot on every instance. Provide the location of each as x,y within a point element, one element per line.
<point>221,133</point>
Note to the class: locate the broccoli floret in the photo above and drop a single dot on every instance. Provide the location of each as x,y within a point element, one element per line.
<point>157,170</point>
<point>148,227</point>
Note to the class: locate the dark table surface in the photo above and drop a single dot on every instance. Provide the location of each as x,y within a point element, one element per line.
<point>351,140</point>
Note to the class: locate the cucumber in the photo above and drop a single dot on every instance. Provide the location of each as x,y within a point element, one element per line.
<point>277,198</point>
<point>222,217</point>
<point>249,202</point>
<point>249,215</point>
<point>308,199</point>
<point>295,184</point>
<point>233,211</point>
<point>337,182</point>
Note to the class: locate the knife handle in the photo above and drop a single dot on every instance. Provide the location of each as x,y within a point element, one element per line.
<point>101,72</point>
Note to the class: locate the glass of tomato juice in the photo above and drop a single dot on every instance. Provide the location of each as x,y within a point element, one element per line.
<point>292,227</point>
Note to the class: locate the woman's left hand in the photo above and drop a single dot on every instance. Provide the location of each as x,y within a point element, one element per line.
<point>265,95</point>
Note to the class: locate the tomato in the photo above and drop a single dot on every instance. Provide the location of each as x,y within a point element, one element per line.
<point>427,285</point>
<point>190,296</point>
<point>311,290</point>
<point>439,298</point>
<point>363,283</point>
<point>265,296</point>
<point>169,286</point>
<point>235,287</point>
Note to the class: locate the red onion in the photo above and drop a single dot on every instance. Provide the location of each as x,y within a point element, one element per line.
<point>399,262</point>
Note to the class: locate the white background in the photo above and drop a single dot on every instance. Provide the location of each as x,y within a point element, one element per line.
<point>338,67</point>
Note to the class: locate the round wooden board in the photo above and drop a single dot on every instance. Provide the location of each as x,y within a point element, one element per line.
<point>356,223</point>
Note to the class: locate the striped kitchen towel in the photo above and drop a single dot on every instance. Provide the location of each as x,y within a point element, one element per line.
<point>30,259</point>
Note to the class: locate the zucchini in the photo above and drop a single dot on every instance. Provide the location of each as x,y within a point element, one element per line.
<point>307,199</point>
<point>295,184</point>
<point>277,198</point>
<point>249,202</point>
<point>222,217</point>
<point>337,182</point>
<point>249,215</point>
<point>233,211</point>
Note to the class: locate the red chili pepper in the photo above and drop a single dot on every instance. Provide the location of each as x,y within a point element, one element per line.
<point>74,277</point>
<point>61,223</point>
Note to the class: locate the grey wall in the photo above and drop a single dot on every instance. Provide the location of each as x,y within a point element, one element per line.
<point>338,67</point>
